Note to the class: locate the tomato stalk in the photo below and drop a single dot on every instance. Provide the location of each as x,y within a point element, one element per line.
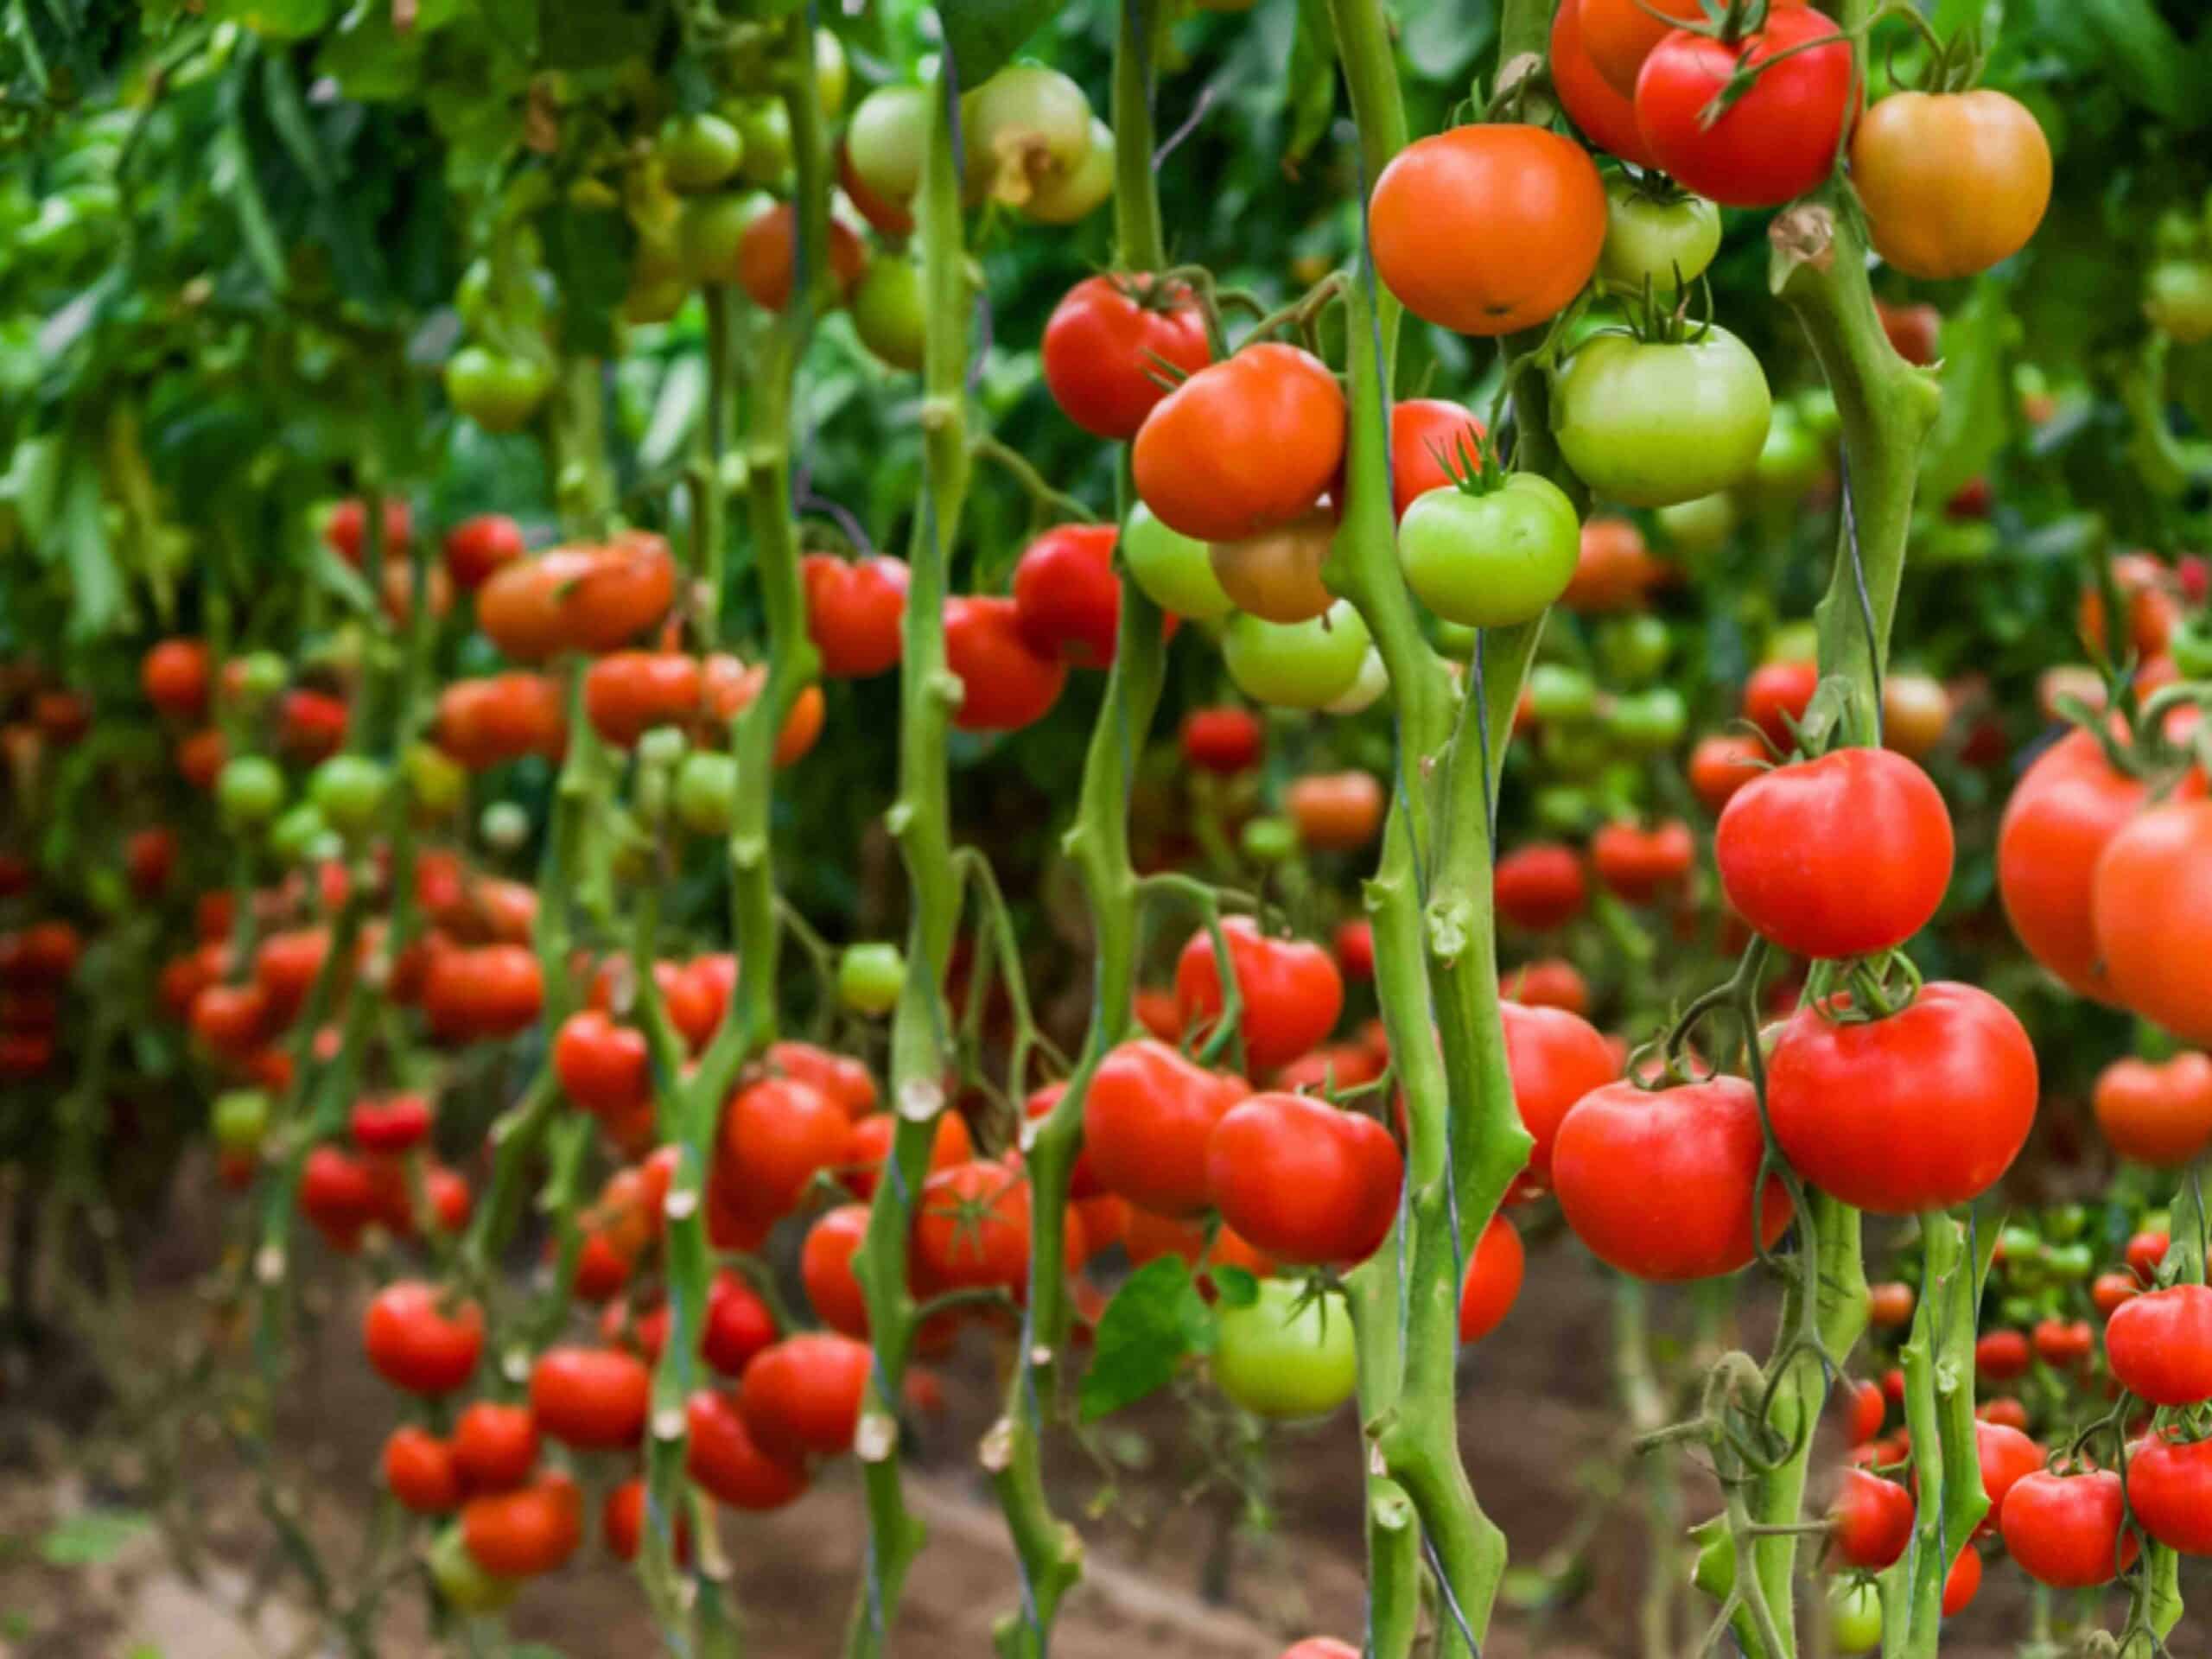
<point>920,821</point>
<point>2157,1604</point>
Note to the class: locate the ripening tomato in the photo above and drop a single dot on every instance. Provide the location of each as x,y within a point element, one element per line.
<point>1952,182</point>
<point>1489,228</point>
<point>1601,109</point>
<point>1842,856</point>
<point>724,1460</point>
<point>1776,696</point>
<point>1916,712</point>
<point>777,1135</point>
<point>2156,1115</point>
<point>1655,422</point>
<point>2170,1488</point>
<point>855,610</point>
<point>805,1394</point>
<point>1779,138</point>
<point>1244,445</point>
<point>2068,1530</point>
<point>1280,1357</point>
<point>1871,1521</point>
<point>1664,1185</point>
<point>2159,1346</point>
<point>421,1341</point>
<point>1335,811</point>
<point>591,1399</point>
<point>1493,1280</point>
<point>418,1470</point>
<point>591,599</point>
<point>1148,1118</point>
<point>627,693</point>
<point>1943,1095</point>
<point>521,1534</point>
<point>1638,864</point>
<point>486,722</point>
<point>1105,341</point>
<point>1303,1180</point>
<point>1555,1057</point>
<point>494,1446</point>
<point>1005,684</point>
<point>825,1267</point>
<point>1276,573</point>
<point>1067,601</point>
<point>1426,434</point>
<point>1291,989</point>
<point>766,257</point>
<point>2152,912</point>
<point>1224,741</point>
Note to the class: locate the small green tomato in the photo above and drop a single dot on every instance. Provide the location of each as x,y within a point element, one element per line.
<point>870,977</point>
<point>1490,560</point>
<point>1276,1359</point>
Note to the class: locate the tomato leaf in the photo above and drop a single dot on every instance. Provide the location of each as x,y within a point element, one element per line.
<point>1310,88</point>
<point>1977,415</point>
<point>984,34</point>
<point>1155,1320</point>
<point>2149,62</point>
<point>1234,1286</point>
<point>588,251</point>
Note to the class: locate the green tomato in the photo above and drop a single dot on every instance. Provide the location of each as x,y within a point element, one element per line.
<point>2191,647</point>
<point>2177,299</point>
<point>1367,689</point>
<point>1578,752</point>
<point>1558,694</point>
<point>249,791</point>
<point>2070,1263</point>
<point>698,152</point>
<point>436,782</point>
<point>765,126</point>
<point>1793,642</point>
<point>1268,841</point>
<point>2177,233</point>
<point>1789,460</point>
<point>1652,424</point>
<point>1667,244</point>
<point>712,230</point>
<point>706,793</point>
<point>1699,526</point>
<point>1076,193</point>
<point>348,790</point>
<point>1855,1615</point>
<point>1632,649</point>
<point>829,73</point>
<point>1564,809</point>
<point>657,300</point>
<point>870,977</point>
<point>240,1119</point>
<point>1493,560</point>
<point>499,390</point>
<point>1648,722</point>
<point>1025,125</point>
<point>1175,570</point>
<point>887,310</point>
<point>2066,1223</point>
<point>504,827</point>
<point>884,140</point>
<point>1296,664</point>
<point>663,748</point>
<point>262,675</point>
<point>1816,408</point>
<point>298,834</point>
<point>466,1587</point>
<point>1277,1359</point>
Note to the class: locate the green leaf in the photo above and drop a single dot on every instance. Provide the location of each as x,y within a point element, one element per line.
<point>2148,62</point>
<point>677,409</point>
<point>587,251</point>
<point>289,115</point>
<point>1236,1287</point>
<point>96,592</point>
<point>91,1537</point>
<point>275,20</point>
<point>371,62</point>
<point>1310,88</point>
<point>1155,1321</point>
<point>1976,419</point>
<point>983,35</point>
<point>597,35</point>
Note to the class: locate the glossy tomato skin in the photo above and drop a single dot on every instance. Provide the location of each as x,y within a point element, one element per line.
<point>972,1228</point>
<point>494,1446</point>
<point>1303,1180</point>
<point>1006,685</point>
<point>2159,1346</point>
<point>1778,693</point>
<point>2151,906</point>
<point>777,1135</point>
<point>1425,433</point>
<point>1493,560</point>
<point>724,1459</point>
<point>1276,573</point>
<point>1653,423</point>
<point>1952,182</point>
<point>176,675</point>
<point>588,598</point>
<point>2068,1530</point>
<point>627,693</point>
<point>1871,1521</point>
<point>1335,811</point>
<point>2170,1487</point>
<point>1775,142</point>
<point>1943,1095</point>
<point>477,547</point>
<point>804,1395</point>
<point>1601,109</point>
<point>855,612</point>
<point>418,1470</point>
<point>825,1267</point>
<point>521,1534</point>
<point>740,1324</point>
<point>2006,1456</point>
<point>1721,764</point>
<point>1556,1058</point>
<point>1100,344</point>
<point>1842,856</point>
<point>483,724</point>
<point>1291,988</point>
<point>592,1398</point>
<point>418,1342</point>
<point>2159,1115</point>
<point>1067,601</point>
<point>1488,229</point>
<point>1243,445</point>
<point>1277,1359</point>
<point>1224,741</point>
<point>1493,1280</point>
<point>1662,1185</point>
<point>1147,1119</point>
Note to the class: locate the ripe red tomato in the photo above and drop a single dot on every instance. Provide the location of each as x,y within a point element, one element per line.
<point>491,991</point>
<point>622,1523</point>
<point>627,693</point>
<point>477,547</point>
<point>418,1470</point>
<point>521,1534</point>
<point>1556,1058</point>
<point>390,1123</point>
<point>494,1446</point>
<point>1601,109</point>
<point>1942,1095</point>
<point>2108,1290</point>
<point>2152,912</point>
<point>590,1398</point>
<point>1493,1280</point>
<point>723,1458</point>
<point>1962,1583</point>
<point>1291,989</point>
<point>1540,886</point>
<point>2146,1250</point>
<point>1104,345</point>
<point>1354,942</point>
<point>1778,693</point>
<point>2062,1344</point>
<point>2153,611</point>
<point>1779,138</point>
<point>420,1340</point>
<point>2156,1115</point>
<point>345,531</point>
<point>1639,864</point>
<point>1425,434</point>
<point>1303,1180</point>
<point>869,1145</point>
<point>1871,1521</point>
<point>2002,1356</point>
<point>1224,741</point>
<point>972,1228</point>
<point>1067,601</point>
<point>2068,1530</point>
<point>591,599</point>
<point>1244,445</point>
<point>1842,856</point>
<point>2170,1487</point>
<point>1619,34</point>
<point>1662,1185</point>
<point>2006,1456</point>
<point>845,1080</point>
<point>1864,1408</point>
<point>1488,229</point>
<point>1721,764</point>
<point>176,675</point>
<point>805,1394</point>
<point>825,1267</point>
<point>484,723</point>
<point>777,1135</point>
<point>1147,1119</point>
<point>855,612</point>
<point>1006,685</point>
<point>602,1067</point>
<point>2159,1346</point>
<point>738,1325</point>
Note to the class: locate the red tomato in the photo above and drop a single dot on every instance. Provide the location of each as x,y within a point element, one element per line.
<point>603,1067</point>
<point>346,529</point>
<point>477,547</point>
<point>2006,1455</point>
<point>1870,1520</point>
<point>1335,811</point>
<point>1354,942</point>
<point>418,1470</point>
<point>494,1446</point>
<point>2062,1344</point>
<point>1639,864</point>
<point>627,693</point>
<point>869,1146</point>
<point>1914,331</point>
<point>855,612</point>
<point>738,1325</point>
<point>2152,911</point>
<point>1152,1236</point>
<point>1493,1280</point>
<point>1614,568</point>
<point>1663,1185</point>
<point>1549,982</point>
<point>1291,989</point>
<point>1487,229</point>
<point>972,1230</point>
<point>1303,1180</point>
<point>521,1534</point>
<point>1778,693</point>
<point>1722,764</point>
<point>2002,1356</point>
<point>1865,1408</point>
<point>622,1523</point>
<point>825,1267</point>
<point>844,1079</point>
<point>337,1195</point>
<point>1556,1058</point>
<point>2159,1346</point>
<point>2145,1252</point>
<point>1779,138</point>
<point>485,723</point>
<point>2156,1115</point>
<point>1067,601</point>
<point>766,257</point>
<point>1005,684</point>
<point>1425,434</point>
<point>2170,1486</point>
<point>1105,344</point>
<point>493,990</point>
<point>805,1394</point>
<point>1224,741</point>
<point>591,599</point>
<point>176,675</point>
<point>777,1135</point>
<point>724,1460</point>
<point>310,725</point>
<point>2068,1530</point>
<point>591,1399</point>
<point>1593,103</point>
<point>1962,1583</point>
<point>390,1123</point>
<point>2109,1290</point>
<point>1148,1118</point>
<point>1942,1095</point>
<point>1244,445</point>
<point>1540,886</point>
<point>419,1340</point>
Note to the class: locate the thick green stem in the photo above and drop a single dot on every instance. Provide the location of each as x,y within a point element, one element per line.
<point>920,821</point>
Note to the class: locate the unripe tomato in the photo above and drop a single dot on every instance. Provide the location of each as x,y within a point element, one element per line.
<point>706,793</point>
<point>1174,571</point>
<point>1918,158</point>
<point>1278,1359</point>
<point>883,141</point>
<point>1855,1615</point>
<point>1075,192</point>
<point>1775,137</point>
<point>2177,300</point>
<point>870,977</point>
<point>698,152</point>
<point>1490,560</point>
<point>888,313</point>
<point>348,790</point>
<point>499,390</point>
<point>1651,423</point>
<point>1243,445</point>
<point>1023,132</point>
<point>249,791</point>
<point>1655,243</point>
<point>1005,684</point>
<point>1298,665</point>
